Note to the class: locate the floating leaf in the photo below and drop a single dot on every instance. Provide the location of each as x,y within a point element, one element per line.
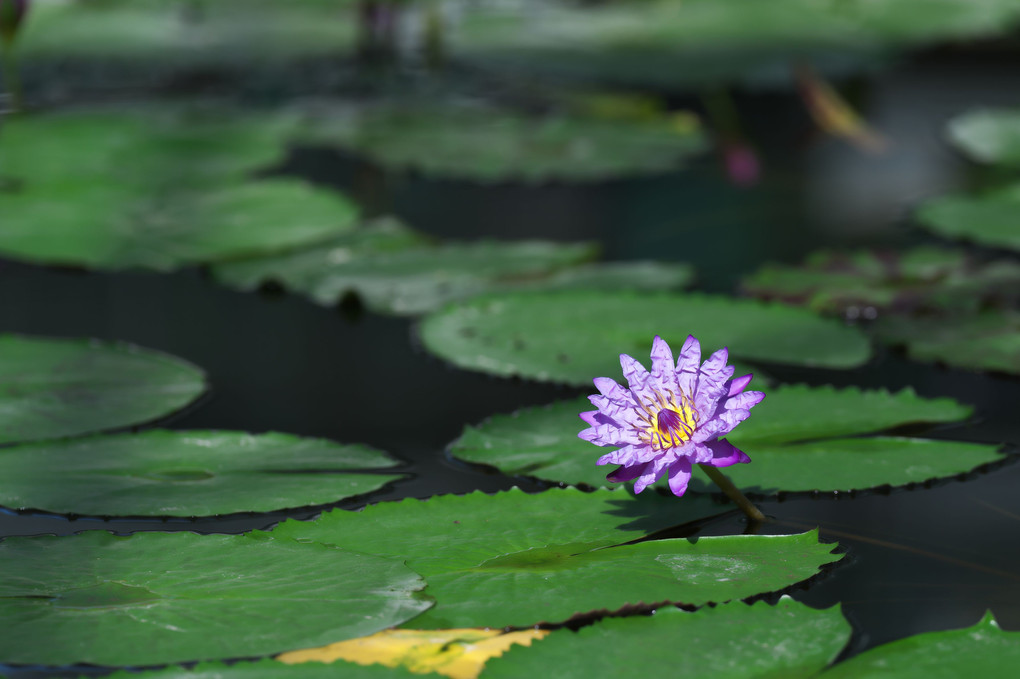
<point>734,640</point>
<point>573,337</point>
<point>186,473</point>
<point>922,279</point>
<point>271,669</point>
<point>982,650</point>
<point>490,144</point>
<point>515,559</point>
<point>988,136</point>
<point>54,387</point>
<point>171,597</point>
<point>985,341</point>
<point>988,220</point>
<point>454,653</point>
<point>542,442</point>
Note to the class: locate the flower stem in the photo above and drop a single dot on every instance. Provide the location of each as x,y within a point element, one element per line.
<point>733,493</point>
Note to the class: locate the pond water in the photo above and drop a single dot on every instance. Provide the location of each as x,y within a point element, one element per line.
<point>921,558</point>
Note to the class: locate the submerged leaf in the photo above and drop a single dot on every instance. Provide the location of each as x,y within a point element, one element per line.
<point>454,653</point>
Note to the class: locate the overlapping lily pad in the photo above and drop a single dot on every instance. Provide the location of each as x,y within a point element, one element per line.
<point>271,669</point>
<point>171,597</point>
<point>988,135</point>
<point>794,437</point>
<point>153,189</point>
<point>515,559</point>
<point>393,269</point>
<point>981,650</point>
<point>186,473</point>
<point>918,280</point>
<point>51,388</point>
<point>734,640</point>
<point>989,340</point>
<point>574,336</point>
<point>490,144</point>
<point>988,219</point>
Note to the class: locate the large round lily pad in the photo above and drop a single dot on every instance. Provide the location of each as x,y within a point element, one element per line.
<point>491,144</point>
<point>989,340</point>
<point>186,473</point>
<point>51,388</point>
<point>789,450</point>
<point>988,219</point>
<point>574,337</point>
<point>171,597</point>
<point>734,640</point>
<point>515,559</point>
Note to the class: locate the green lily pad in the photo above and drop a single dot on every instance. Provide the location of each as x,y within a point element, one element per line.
<point>918,280</point>
<point>988,136</point>
<point>51,388</point>
<point>393,269</point>
<point>157,195</point>
<point>983,650</point>
<point>574,337</point>
<point>490,144</point>
<point>989,219</point>
<point>989,340</point>
<point>172,597</point>
<point>271,669</point>
<point>542,442</point>
<point>186,473</point>
<point>515,559</point>
<point>725,641</point>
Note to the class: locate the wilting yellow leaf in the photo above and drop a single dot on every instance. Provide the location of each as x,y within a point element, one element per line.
<point>833,114</point>
<point>455,653</point>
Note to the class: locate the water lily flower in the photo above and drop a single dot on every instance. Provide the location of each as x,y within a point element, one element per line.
<point>671,418</point>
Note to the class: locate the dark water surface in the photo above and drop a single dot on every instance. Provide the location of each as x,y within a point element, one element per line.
<point>919,559</point>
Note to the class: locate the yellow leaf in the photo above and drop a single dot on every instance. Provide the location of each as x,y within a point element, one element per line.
<point>455,653</point>
<point>833,114</point>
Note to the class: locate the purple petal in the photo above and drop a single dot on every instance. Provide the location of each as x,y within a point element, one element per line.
<point>687,364</point>
<point>636,374</point>
<point>626,473</point>
<point>738,384</point>
<point>744,401</point>
<point>679,476</point>
<point>610,435</point>
<point>712,382</point>
<point>622,414</point>
<point>629,455</point>
<point>725,454</point>
<point>611,390</point>
<point>720,425</point>
<point>663,372</point>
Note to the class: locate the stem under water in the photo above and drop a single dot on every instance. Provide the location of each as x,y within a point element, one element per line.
<point>733,493</point>
<point>12,81</point>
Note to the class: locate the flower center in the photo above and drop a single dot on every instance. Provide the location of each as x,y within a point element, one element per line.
<point>672,425</point>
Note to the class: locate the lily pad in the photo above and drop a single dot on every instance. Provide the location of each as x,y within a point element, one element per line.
<point>542,442</point>
<point>860,283</point>
<point>988,136</point>
<point>171,597</point>
<point>186,473</point>
<point>982,650</point>
<point>515,559</point>
<point>989,219</point>
<point>489,144</point>
<point>725,641</point>
<point>272,669</point>
<point>51,388</point>
<point>574,337</point>
<point>989,340</point>
<point>157,196</point>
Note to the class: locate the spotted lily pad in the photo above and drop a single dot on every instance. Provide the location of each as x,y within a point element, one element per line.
<point>860,283</point>
<point>988,219</point>
<point>51,388</point>
<point>988,135</point>
<point>490,144</point>
<point>989,340</point>
<point>171,597</point>
<point>789,451</point>
<point>573,337</point>
<point>982,650</point>
<point>515,559</point>
<point>725,641</point>
<point>186,473</point>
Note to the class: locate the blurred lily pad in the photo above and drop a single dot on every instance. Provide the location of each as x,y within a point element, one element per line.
<point>989,219</point>
<point>782,443</point>
<point>112,190</point>
<point>983,649</point>
<point>989,340</point>
<point>186,473</point>
<point>489,144</point>
<point>393,269</point>
<point>863,282</point>
<point>271,669</point>
<point>50,388</point>
<point>988,135</point>
<point>515,559</point>
<point>157,598</point>
<point>574,337</point>
<point>709,643</point>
